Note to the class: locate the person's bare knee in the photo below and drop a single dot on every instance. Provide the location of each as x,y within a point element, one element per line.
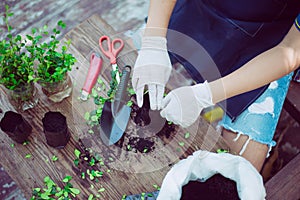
<point>253,151</point>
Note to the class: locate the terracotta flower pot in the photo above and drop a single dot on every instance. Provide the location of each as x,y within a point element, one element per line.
<point>56,129</point>
<point>15,126</point>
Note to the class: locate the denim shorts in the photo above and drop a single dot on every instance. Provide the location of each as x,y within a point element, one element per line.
<point>260,119</point>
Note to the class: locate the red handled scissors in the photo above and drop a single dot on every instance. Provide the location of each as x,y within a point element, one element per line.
<point>112,52</point>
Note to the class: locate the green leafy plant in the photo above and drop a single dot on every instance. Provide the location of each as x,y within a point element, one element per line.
<point>52,191</point>
<point>17,57</point>
<point>54,62</point>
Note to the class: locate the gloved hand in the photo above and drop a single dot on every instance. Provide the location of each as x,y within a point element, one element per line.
<point>183,105</point>
<point>202,165</point>
<point>152,68</point>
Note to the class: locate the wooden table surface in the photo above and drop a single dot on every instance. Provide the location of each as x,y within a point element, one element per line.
<point>129,172</point>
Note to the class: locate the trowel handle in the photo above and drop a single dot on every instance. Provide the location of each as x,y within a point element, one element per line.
<point>121,94</point>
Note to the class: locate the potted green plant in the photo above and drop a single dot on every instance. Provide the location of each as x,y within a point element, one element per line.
<point>53,66</point>
<point>17,67</point>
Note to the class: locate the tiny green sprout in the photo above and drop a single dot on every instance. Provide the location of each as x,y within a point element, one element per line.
<point>92,162</point>
<point>67,179</point>
<point>124,197</point>
<point>94,118</point>
<point>187,135</point>
<point>181,144</point>
<point>131,91</point>
<point>77,153</point>
<point>129,103</point>
<point>145,150</point>
<point>150,195</point>
<point>91,197</point>
<point>85,158</point>
<point>143,196</point>
<point>108,171</point>
<point>100,81</point>
<point>94,93</point>
<point>90,131</point>
<point>178,149</point>
<point>82,175</point>
<point>102,189</point>
<point>28,155</point>
<point>170,123</point>
<point>25,143</point>
<point>54,158</point>
<point>129,147</point>
<point>101,163</point>
<point>87,116</point>
<point>222,151</point>
<point>12,145</point>
<point>111,159</point>
<point>74,191</point>
<point>98,195</point>
<point>156,187</point>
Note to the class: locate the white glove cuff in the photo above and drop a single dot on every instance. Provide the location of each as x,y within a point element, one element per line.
<point>203,94</point>
<point>156,42</point>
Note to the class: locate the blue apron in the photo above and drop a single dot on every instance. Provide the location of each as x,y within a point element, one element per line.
<point>212,38</point>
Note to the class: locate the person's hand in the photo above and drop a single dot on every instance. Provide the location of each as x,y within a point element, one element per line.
<point>183,105</point>
<point>152,68</point>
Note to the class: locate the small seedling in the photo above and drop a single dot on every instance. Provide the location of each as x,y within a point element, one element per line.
<point>52,191</point>
<point>181,144</point>
<point>187,135</point>
<point>54,158</point>
<point>222,151</point>
<point>28,155</point>
<point>156,187</point>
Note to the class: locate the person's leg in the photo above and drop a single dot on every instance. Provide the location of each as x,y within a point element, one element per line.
<point>251,134</point>
<point>255,152</point>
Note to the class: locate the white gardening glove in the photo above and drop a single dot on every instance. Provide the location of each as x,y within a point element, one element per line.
<point>202,165</point>
<point>183,105</point>
<point>152,68</point>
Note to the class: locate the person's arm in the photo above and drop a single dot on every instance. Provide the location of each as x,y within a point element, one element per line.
<point>158,17</point>
<point>261,70</point>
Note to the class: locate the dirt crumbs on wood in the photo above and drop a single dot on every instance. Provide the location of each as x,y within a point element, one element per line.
<point>135,138</point>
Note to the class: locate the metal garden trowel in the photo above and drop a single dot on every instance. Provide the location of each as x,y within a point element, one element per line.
<point>116,114</point>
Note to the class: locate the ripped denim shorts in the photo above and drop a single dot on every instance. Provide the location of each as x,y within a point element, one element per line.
<point>260,119</point>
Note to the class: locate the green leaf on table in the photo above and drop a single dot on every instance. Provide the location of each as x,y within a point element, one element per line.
<point>54,158</point>
<point>67,179</point>
<point>87,116</point>
<point>91,196</point>
<point>75,191</point>
<point>28,155</point>
<point>77,153</point>
<point>187,135</point>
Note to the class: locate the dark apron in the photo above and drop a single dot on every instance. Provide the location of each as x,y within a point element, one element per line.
<point>213,38</point>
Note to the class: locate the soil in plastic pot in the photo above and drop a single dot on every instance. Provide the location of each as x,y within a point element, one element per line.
<point>215,188</point>
<point>15,126</point>
<point>56,129</point>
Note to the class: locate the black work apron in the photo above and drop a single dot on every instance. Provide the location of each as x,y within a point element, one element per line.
<point>212,38</point>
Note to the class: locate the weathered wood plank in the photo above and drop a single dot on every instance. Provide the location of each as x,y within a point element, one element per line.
<point>285,184</point>
<point>131,172</point>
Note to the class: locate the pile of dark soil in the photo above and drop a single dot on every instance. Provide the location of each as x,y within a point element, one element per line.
<point>217,187</point>
<point>144,141</point>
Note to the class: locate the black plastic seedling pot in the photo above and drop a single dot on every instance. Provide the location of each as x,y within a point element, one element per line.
<point>15,126</point>
<point>56,129</point>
